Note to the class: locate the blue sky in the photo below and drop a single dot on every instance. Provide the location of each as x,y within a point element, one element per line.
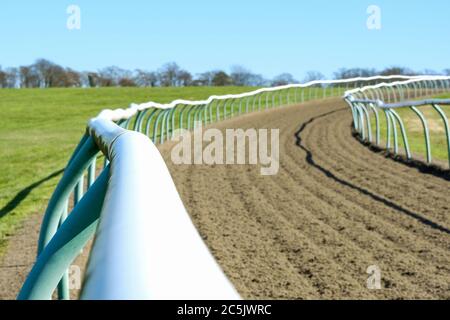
<point>268,37</point>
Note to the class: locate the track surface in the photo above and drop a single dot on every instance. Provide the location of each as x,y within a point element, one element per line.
<point>334,209</point>
<point>311,231</point>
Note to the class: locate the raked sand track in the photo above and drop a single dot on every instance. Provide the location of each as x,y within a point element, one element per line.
<point>311,231</point>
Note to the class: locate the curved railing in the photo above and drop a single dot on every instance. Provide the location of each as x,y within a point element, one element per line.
<point>145,245</point>
<point>159,121</point>
<point>391,97</point>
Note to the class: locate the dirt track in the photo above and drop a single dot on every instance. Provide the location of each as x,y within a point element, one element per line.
<point>334,209</point>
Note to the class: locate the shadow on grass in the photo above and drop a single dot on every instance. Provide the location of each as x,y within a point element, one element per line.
<point>21,195</point>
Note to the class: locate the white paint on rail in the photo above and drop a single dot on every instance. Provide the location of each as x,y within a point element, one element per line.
<point>123,114</point>
<point>146,246</point>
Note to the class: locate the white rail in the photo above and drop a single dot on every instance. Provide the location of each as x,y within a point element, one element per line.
<point>146,246</point>
<point>124,114</point>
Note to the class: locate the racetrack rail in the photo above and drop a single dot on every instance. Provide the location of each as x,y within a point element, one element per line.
<point>311,231</point>
<point>334,209</point>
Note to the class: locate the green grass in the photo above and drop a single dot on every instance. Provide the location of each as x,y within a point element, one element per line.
<point>415,134</point>
<point>39,130</point>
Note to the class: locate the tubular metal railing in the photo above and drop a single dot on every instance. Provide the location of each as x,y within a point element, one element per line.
<point>389,98</point>
<point>159,121</point>
<point>145,245</point>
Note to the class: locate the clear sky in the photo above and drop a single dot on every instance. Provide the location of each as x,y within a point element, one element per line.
<point>268,37</point>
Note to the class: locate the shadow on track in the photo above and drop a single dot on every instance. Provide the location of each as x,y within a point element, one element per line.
<point>21,195</point>
<point>329,174</point>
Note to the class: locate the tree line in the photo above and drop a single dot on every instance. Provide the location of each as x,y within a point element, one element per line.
<point>47,74</point>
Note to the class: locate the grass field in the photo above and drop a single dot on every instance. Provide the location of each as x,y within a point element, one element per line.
<point>39,130</point>
<point>415,134</point>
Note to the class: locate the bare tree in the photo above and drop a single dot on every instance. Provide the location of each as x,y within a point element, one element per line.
<point>57,77</point>
<point>49,75</point>
<point>73,78</point>
<point>146,78</point>
<point>168,74</point>
<point>344,73</point>
<point>12,77</point>
<point>45,70</point>
<point>105,82</point>
<point>84,79</point>
<point>184,78</point>
<point>313,76</point>
<point>241,76</point>
<point>9,78</point>
<point>257,80</point>
<point>3,80</point>
<point>206,78</point>
<point>112,76</point>
<point>283,79</point>
<point>431,72</point>
<point>397,71</point>
<point>28,77</point>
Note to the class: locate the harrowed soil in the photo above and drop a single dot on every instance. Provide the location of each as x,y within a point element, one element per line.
<point>311,231</point>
